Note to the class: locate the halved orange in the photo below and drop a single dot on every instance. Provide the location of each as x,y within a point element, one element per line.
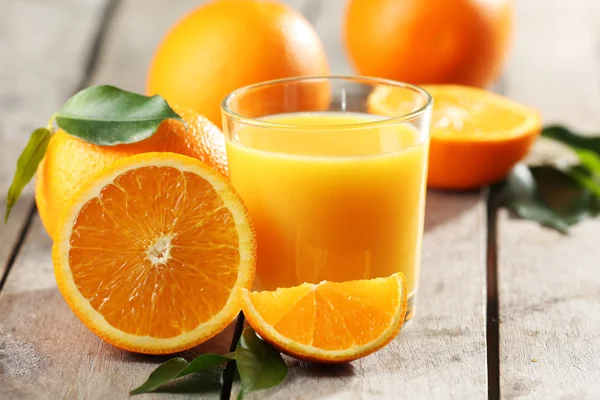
<point>476,136</point>
<point>149,253</point>
<point>329,322</point>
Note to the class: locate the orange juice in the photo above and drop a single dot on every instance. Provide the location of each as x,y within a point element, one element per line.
<point>332,204</point>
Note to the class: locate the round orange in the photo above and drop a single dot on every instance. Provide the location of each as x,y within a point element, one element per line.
<point>227,44</point>
<point>429,41</point>
<point>151,252</point>
<point>329,322</point>
<point>69,161</point>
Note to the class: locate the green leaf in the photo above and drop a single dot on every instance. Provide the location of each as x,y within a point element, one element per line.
<point>549,196</point>
<point>571,139</point>
<point>561,193</point>
<point>205,361</point>
<point>162,374</point>
<point>108,116</point>
<point>540,213</point>
<point>203,382</point>
<point>177,368</point>
<point>590,160</point>
<point>520,184</point>
<point>260,366</point>
<point>585,178</point>
<point>26,166</point>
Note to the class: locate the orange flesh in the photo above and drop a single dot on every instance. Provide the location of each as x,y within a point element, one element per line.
<point>457,111</point>
<point>152,236</point>
<point>470,113</point>
<point>330,315</point>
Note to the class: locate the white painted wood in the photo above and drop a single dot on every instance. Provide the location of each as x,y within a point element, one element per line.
<point>441,353</point>
<point>549,284</point>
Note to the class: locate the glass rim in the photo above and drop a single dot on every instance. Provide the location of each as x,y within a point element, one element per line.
<point>258,122</point>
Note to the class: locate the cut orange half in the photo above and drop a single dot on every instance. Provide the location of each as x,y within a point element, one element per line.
<point>329,322</point>
<point>149,254</point>
<point>476,136</point>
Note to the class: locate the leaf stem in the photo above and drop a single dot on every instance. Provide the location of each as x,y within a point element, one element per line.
<point>50,125</point>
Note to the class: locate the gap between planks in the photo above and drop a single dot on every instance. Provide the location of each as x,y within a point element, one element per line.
<point>492,333</point>
<point>90,65</point>
<point>492,326</point>
<point>18,244</point>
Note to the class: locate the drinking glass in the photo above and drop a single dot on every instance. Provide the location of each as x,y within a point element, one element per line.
<point>333,173</point>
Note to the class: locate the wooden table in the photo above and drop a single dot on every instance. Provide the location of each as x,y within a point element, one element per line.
<point>506,309</point>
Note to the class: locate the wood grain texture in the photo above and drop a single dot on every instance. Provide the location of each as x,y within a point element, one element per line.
<point>43,62</point>
<point>36,37</point>
<point>549,284</point>
<point>135,32</point>
<point>441,353</point>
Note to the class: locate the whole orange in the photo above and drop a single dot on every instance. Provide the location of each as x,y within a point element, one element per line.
<point>69,162</point>
<point>227,44</point>
<point>429,41</point>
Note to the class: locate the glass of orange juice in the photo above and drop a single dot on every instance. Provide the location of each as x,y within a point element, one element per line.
<point>334,190</point>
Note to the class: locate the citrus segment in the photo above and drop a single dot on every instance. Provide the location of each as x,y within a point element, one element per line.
<point>150,252</point>
<point>466,113</point>
<point>476,136</point>
<point>329,321</point>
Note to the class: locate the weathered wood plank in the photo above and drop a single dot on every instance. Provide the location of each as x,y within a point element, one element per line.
<point>549,284</point>
<point>46,352</point>
<point>35,40</point>
<point>47,63</point>
<point>135,33</point>
<point>441,353</point>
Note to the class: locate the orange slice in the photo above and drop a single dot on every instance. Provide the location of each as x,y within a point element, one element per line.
<point>149,253</point>
<point>476,136</point>
<point>329,322</point>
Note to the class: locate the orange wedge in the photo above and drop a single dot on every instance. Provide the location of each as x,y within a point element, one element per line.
<point>329,322</point>
<point>476,136</point>
<point>149,253</point>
